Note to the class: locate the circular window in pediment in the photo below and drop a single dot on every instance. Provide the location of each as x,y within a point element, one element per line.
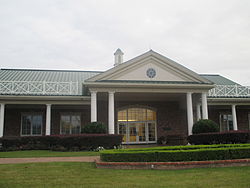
<point>151,73</point>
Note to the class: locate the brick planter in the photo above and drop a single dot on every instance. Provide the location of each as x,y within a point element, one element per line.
<point>173,165</point>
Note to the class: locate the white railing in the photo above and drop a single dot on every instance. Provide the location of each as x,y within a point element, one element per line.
<point>229,91</point>
<point>38,88</point>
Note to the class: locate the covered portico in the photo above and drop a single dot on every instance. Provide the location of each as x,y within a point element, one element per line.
<point>174,106</point>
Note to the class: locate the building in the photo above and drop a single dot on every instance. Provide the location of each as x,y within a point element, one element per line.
<point>143,99</point>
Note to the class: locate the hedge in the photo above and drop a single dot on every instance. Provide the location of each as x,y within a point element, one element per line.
<point>187,147</point>
<point>220,137</point>
<point>202,154</point>
<point>61,142</point>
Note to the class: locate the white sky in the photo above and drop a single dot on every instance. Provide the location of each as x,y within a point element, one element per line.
<point>207,36</point>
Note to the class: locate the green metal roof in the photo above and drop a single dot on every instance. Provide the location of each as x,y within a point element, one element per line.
<point>69,82</point>
<point>45,75</point>
<point>218,79</point>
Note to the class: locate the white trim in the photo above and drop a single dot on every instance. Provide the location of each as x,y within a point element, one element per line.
<point>204,105</point>
<point>111,112</point>
<point>2,109</point>
<point>38,88</point>
<point>48,119</point>
<point>198,112</point>
<point>189,112</point>
<point>93,106</point>
<point>230,91</point>
<point>234,116</point>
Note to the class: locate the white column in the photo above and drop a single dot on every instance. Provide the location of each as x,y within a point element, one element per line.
<point>235,126</point>
<point>111,113</point>
<point>190,113</point>
<point>204,105</point>
<point>48,119</point>
<point>93,106</point>
<point>198,112</point>
<point>2,119</point>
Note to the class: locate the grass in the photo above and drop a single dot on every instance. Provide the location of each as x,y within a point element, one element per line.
<point>77,174</point>
<point>45,153</point>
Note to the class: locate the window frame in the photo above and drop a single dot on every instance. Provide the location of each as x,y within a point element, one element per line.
<point>31,128</point>
<point>222,114</point>
<point>70,114</point>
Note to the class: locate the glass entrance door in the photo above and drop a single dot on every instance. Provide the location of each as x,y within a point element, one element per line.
<point>132,132</point>
<point>137,125</point>
<point>137,132</point>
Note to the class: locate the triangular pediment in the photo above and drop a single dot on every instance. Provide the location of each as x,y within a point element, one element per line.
<point>150,66</point>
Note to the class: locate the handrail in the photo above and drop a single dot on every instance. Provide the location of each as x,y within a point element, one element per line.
<point>38,88</point>
<point>229,91</point>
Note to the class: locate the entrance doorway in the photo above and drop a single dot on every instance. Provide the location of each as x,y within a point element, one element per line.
<point>137,125</point>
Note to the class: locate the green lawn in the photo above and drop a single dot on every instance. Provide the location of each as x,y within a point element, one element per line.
<point>75,174</point>
<point>45,153</point>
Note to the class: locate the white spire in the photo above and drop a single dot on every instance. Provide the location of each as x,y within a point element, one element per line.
<point>118,57</point>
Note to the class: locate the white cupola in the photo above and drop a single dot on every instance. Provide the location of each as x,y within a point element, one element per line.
<point>118,57</point>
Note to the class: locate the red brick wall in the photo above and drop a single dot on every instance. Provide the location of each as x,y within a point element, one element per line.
<point>12,121</point>
<point>56,113</point>
<point>242,115</point>
<point>171,119</point>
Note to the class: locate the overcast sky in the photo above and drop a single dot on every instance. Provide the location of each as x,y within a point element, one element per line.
<point>207,36</point>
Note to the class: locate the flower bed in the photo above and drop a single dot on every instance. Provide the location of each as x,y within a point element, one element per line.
<point>179,153</point>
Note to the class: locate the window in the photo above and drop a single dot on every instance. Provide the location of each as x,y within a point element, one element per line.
<point>31,125</point>
<point>70,124</point>
<point>226,122</point>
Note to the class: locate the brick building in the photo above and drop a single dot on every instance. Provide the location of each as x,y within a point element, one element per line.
<point>144,98</point>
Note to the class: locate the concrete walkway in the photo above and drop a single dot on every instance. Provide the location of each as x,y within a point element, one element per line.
<point>48,159</point>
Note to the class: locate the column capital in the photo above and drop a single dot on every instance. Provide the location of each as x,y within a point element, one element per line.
<point>48,104</point>
<point>93,91</point>
<point>111,92</point>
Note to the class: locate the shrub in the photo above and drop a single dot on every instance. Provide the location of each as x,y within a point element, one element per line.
<point>205,126</point>
<point>61,142</point>
<point>95,128</point>
<point>188,153</point>
<point>220,137</point>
